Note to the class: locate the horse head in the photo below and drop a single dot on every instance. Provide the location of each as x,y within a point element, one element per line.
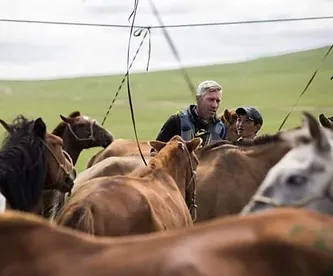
<point>303,177</point>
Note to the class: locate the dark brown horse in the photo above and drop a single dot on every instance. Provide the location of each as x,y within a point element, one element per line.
<point>286,242</point>
<point>32,160</point>
<point>153,198</point>
<point>78,132</point>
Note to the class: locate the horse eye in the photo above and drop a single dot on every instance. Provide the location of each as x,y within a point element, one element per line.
<point>296,180</point>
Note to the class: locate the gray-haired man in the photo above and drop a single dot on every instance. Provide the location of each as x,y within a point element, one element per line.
<point>198,120</point>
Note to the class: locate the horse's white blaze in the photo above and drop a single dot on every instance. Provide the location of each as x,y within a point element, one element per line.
<point>2,203</point>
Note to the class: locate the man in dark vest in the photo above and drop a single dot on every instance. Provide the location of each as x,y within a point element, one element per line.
<point>198,120</point>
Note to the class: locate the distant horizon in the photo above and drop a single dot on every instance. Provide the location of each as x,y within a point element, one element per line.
<point>175,68</point>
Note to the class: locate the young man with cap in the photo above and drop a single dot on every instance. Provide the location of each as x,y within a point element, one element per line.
<point>249,122</point>
<point>198,120</point>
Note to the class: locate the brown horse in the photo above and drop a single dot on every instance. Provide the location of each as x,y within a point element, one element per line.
<point>127,147</point>
<point>32,160</point>
<point>229,118</point>
<point>120,147</point>
<point>284,242</point>
<point>115,165</point>
<point>78,132</point>
<point>228,174</point>
<point>326,121</point>
<point>147,200</point>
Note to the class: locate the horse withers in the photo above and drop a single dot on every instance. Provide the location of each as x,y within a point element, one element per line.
<point>152,198</point>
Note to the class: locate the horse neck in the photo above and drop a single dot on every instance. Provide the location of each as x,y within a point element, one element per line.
<point>73,149</point>
<point>267,155</point>
<point>210,154</point>
<point>169,164</point>
<point>71,146</point>
<point>42,236</point>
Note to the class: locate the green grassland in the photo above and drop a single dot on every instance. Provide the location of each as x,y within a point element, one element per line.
<point>272,84</point>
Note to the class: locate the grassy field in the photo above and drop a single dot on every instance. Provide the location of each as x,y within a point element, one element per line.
<point>271,84</point>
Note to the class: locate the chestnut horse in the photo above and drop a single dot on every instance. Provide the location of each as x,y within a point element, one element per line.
<point>153,198</point>
<point>228,175</point>
<point>32,160</point>
<point>286,242</point>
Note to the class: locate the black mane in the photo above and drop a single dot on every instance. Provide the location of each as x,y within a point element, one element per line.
<point>260,140</point>
<point>22,165</point>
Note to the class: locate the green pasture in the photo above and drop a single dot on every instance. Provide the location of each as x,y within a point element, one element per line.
<point>271,84</point>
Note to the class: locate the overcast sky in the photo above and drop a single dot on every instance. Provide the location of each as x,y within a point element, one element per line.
<point>35,51</point>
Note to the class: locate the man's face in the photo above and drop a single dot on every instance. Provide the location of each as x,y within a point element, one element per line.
<point>246,128</point>
<point>208,104</point>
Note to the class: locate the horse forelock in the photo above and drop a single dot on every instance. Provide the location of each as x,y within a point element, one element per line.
<point>22,166</point>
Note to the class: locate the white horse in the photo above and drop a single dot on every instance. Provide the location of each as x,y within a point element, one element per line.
<point>304,176</point>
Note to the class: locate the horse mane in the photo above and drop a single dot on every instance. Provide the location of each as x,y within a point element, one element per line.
<point>22,165</point>
<point>260,140</point>
<point>60,128</point>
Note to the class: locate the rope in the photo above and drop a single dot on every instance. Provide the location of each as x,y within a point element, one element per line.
<point>133,14</point>
<point>137,33</point>
<point>259,21</point>
<point>306,87</point>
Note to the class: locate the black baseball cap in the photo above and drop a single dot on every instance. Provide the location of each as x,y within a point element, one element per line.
<point>252,113</point>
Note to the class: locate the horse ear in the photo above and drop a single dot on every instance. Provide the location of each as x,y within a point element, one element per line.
<point>157,145</point>
<point>227,115</point>
<point>40,128</point>
<point>325,122</point>
<point>317,133</point>
<point>194,144</point>
<point>67,120</point>
<point>74,114</point>
<point>6,126</point>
